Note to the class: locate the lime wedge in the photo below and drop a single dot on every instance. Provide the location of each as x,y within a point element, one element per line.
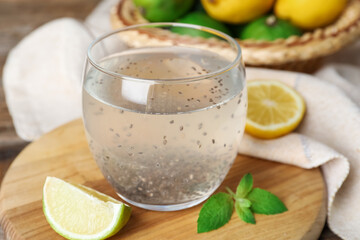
<point>78,212</point>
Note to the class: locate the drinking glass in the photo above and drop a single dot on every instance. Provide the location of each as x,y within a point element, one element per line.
<point>164,112</point>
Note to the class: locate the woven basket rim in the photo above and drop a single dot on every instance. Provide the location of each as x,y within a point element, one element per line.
<point>318,43</point>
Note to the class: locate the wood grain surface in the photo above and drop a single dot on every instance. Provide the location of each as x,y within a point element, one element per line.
<point>12,29</point>
<point>64,153</point>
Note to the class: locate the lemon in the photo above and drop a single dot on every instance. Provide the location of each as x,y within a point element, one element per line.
<point>78,212</point>
<point>274,109</point>
<point>309,14</point>
<point>236,11</point>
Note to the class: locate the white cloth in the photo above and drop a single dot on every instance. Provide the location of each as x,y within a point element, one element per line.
<point>329,136</point>
<point>42,79</point>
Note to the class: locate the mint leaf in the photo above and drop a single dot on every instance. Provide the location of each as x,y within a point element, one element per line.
<point>217,210</point>
<point>264,202</point>
<point>243,202</point>
<point>245,186</point>
<point>244,213</point>
<point>215,213</point>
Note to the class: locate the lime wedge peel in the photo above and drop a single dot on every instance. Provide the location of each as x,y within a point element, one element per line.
<point>78,212</point>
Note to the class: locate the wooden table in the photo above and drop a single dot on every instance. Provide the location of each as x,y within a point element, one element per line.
<point>17,19</point>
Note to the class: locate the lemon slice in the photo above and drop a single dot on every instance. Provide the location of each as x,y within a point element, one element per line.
<point>274,109</point>
<point>79,212</point>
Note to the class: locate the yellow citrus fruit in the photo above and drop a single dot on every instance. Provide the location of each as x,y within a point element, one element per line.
<point>79,212</point>
<point>236,11</point>
<point>309,14</point>
<point>274,109</point>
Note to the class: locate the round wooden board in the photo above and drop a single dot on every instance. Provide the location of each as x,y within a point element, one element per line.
<point>64,153</point>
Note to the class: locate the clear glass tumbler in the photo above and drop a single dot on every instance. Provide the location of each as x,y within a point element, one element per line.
<point>163,112</point>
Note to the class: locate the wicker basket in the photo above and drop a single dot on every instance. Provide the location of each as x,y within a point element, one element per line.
<point>297,53</point>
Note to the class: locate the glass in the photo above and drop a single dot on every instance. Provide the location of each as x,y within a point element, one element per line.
<point>164,113</point>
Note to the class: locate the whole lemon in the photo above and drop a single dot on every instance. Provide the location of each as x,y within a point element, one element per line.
<point>236,11</point>
<point>309,14</point>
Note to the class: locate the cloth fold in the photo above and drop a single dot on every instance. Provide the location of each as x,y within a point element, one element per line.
<point>42,79</point>
<point>298,150</point>
<point>329,136</point>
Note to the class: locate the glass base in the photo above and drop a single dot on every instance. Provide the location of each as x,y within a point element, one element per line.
<point>166,208</point>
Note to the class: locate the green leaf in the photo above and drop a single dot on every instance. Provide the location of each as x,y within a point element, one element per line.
<point>215,213</point>
<point>243,202</point>
<point>244,213</point>
<point>245,186</point>
<point>264,202</point>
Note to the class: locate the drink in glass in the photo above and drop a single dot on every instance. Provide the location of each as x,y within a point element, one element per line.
<point>164,121</point>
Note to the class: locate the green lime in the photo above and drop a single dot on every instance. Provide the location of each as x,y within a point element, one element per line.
<point>163,10</point>
<point>269,28</point>
<point>199,18</point>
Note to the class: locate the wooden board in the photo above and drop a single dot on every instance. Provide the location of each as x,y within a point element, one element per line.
<point>64,153</point>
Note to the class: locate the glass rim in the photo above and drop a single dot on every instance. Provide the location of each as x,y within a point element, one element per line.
<point>233,43</point>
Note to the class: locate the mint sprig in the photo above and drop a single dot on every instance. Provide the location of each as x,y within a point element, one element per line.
<point>217,210</point>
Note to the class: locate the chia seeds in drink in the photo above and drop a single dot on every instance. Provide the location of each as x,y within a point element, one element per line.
<point>164,142</point>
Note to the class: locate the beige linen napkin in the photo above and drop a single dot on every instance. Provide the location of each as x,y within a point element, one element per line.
<point>42,87</point>
<point>42,77</point>
<point>328,136</point>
